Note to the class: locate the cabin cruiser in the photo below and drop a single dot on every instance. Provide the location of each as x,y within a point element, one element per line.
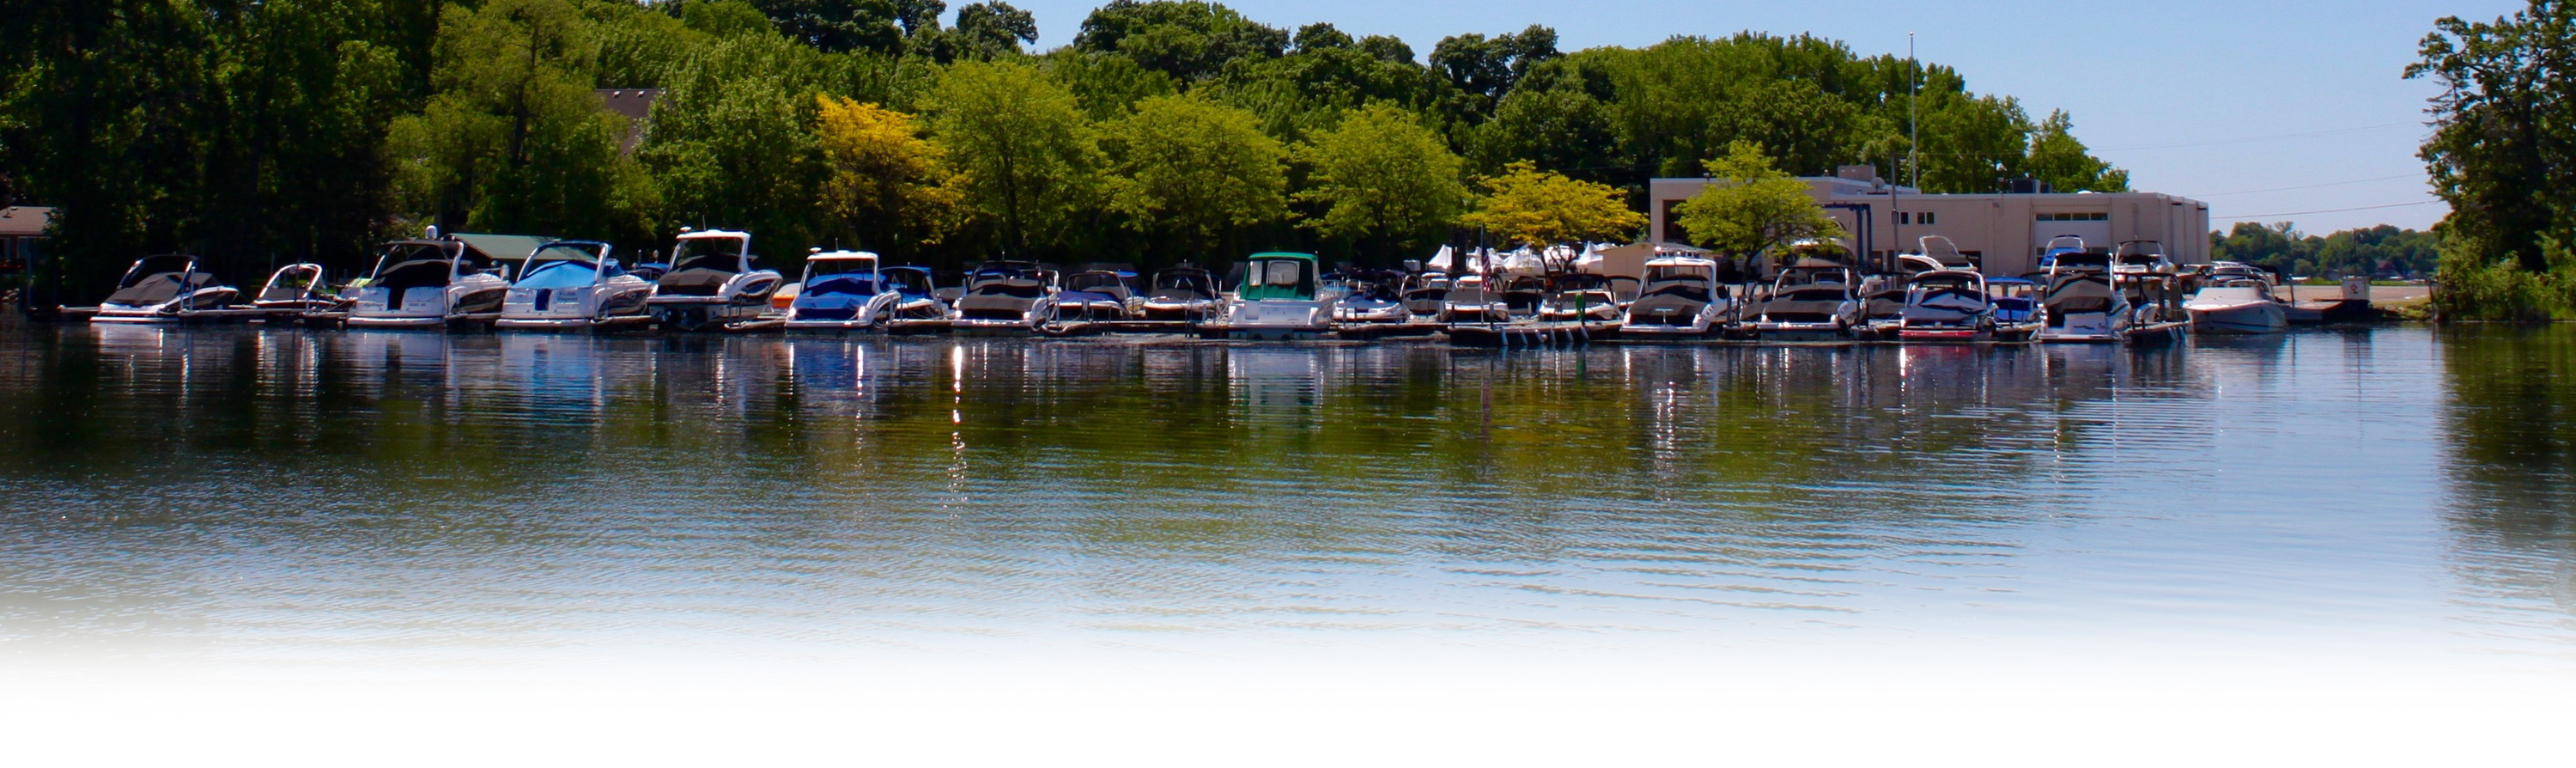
<point>712,283</point>
<point>1680,297</point>
<point>2081,300</point>
<point>1813,297</point>
<point>2237,298</point>
<point>295,289</point>
<point>848,290</point>
<point>1002,296</point>
<point>1281,297</point>
<point>1180,293</point>
<point>1370,297</point>
<point>569,284</point>
<point>433,282</point>
<point>1583,297</point>
<point>164,289</point>
<point>1093,296</point>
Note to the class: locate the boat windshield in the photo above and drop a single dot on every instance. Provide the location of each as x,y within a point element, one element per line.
<point>1280,273</point>
<point>155,265</point>
<point>818,269</point>
<point>559,273</point>
<point>723,254</point>
<point>401,253</point>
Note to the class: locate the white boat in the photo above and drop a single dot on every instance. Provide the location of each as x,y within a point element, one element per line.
<point>295,289</point>
<point>1370,297</point>
<point>1002,297</point>
<point>2237,298</point>
<point>713,283</point>
<point>1580,296</point>
<point>1948,305</point>
<point>1098,295</point>
<point>166,288</point>
<point>2152,285</point>
<point>1186,294</point>
<point>1474,299</point>
<point>851,290</point>
<point>1426,295</point>
<point>574,284</point>
<point>1680,297</point>
<point>1813,298</point>
<point>1281,297</point>
<point>432,282</point>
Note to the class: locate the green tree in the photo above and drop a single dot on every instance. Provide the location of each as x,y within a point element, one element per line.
<point>732,142</point>
<point>1193,171</point>
<point>2501,131</point>
<point>1382,179</point>
<point>515,139</point>
<point>1030,160</point>
<point>1529,206</point>
<point>986,30</point>
<point>1752,206</point>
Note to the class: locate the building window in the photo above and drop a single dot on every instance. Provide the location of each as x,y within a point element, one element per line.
<point>1903,218</point>
<point>2075,217</point>
<point>1926,218</point>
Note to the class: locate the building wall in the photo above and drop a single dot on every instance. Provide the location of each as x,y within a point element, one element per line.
<point>2003,232</point>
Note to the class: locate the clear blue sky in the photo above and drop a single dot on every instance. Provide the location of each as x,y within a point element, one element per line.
<point>2271,111</point>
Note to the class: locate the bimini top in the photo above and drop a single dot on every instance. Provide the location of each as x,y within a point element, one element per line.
<point>841,256</point>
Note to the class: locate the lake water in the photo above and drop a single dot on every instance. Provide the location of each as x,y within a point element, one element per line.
<point>224,506</point>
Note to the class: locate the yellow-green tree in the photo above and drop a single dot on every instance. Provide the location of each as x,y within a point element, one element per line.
<point>1525,205</point>
<point>1193,170</point>
<point>1382,178</point>
<point>1751,206</point>
<point>889,184</point>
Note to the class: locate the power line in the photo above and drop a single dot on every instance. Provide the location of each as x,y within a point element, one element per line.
<point>2329,210</point>
<point>2311,186</point>
<point>2251,139</point>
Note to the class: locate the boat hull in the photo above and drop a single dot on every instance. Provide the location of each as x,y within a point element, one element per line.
<point>2251,318</point>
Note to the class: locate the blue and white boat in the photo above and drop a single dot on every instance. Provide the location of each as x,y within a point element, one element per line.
<point>850,290</point>
<point>574,285</point>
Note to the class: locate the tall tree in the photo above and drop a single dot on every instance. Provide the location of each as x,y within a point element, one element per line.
<point>516,139</point>
<point>2059,159</point>
<point>1190,41</point>
<point>1193,170</point>
<point>1382,180</point>
<point>1030,159</point>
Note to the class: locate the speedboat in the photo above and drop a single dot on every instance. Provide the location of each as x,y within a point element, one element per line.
<point>1370,297</point>
<point>1180,293</point>
<point>1680,297</point>
<point>1581,296</point>
<point>2081,301</point>
<point>295,289</point>
<point>1093,296</point>
<point>843,290</point>
<point>1814,298</point>
<point>712,283</point>
<point>433,282</point>
<point>166,288</point>
<point>1002,296</point>
<point>2237,298</point>
<point>574,284</point>
<point>1281,297</point>
<point>1946,305</point>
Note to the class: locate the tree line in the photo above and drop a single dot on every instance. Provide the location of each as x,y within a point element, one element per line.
<point>257,132</point>
<point>2381,251</point>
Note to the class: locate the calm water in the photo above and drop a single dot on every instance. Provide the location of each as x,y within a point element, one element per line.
<point>241,499</point>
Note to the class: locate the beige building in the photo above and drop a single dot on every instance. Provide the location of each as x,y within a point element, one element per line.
<point>2003,233</point>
